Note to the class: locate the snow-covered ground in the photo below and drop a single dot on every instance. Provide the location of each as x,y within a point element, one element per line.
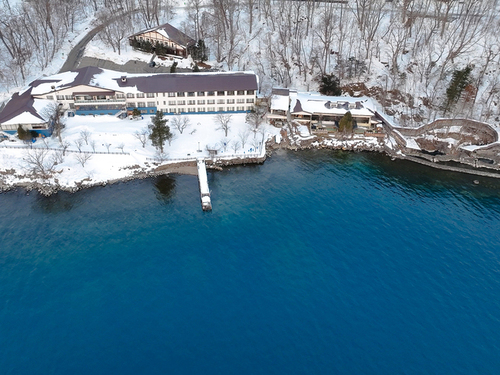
<point>122,153</point>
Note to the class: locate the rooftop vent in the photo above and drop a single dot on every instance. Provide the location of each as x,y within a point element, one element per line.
<point>124,78</point>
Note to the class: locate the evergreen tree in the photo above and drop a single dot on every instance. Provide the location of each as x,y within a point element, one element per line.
<point>159,131</point>
<point>136,113</point>
<point>459,81</point>
<point>173,68</point>
<point>196,68</point>
<point>198,51</point>
<point>23,135</point>
<point>330,85</point>
<point>345,124</point>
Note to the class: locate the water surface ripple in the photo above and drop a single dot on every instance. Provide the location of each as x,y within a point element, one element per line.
<point>316,262</point>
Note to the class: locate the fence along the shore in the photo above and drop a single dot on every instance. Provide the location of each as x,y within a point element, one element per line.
<point>233,156</point>
<point>67,150</point>
<point>194,158</point>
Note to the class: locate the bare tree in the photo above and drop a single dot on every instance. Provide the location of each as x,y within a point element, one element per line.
<point>255,118</point>
<point>52,114</point>
<point>115,31</point>
<point>93,144</point>
<point>121,146</point>
<point>256,143</point>
<point>224,143</point>
<point>85,136</point>
<point>243,136</point>
<point>142,136</point>
<point>78,144</point>
<point>223,119</point>
<point>108,145</point>
<point>58,157</point>
<point>161,156</point>
<point>38,162</point>
<point>180,123</point>
<point>64,146</point>
<point>235,146</point>
<point>82,158</point>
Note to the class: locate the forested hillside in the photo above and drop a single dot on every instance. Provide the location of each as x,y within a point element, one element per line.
<point>421,59</point>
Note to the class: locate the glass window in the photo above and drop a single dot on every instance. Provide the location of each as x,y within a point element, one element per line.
<point>211,93</point>
<point>150,95</point>
<point>181,102</point>
<point>140,95</point>
<point>201,102</point>
<point>191,102</point>
<point>250,92</point>
<point>68,97</point>
<point>220,109</point>
<point>60,97</point>
<point>211,109</point>
<point>171,102</point>
<point>240,100</point>
<point>212,101</point>
<point>120,96</point>
<point>241,92</point>
<point>141,104</point>
<point>249,100</point>
<point>130,95</point>
<point>171,94</point>
<point>191,109</point>
<point>190,93</point>
<point>220,93</point>
<point>230,101</point>
<point>180,94</point>
<point>51,97</point>
<point>230,92</point>
<point>220,101</point>
<point>151,104</point>
<point>201,93</point>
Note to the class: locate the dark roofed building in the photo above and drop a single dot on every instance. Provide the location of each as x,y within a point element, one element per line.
<point>95,91</point>
<point>30,113</point>
<point>185,82</point>
<point>173,41</point>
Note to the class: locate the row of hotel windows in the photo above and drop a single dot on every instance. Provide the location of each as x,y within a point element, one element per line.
<point>190,102</point>
<point>208,109</point>
<point>200,110</point>
<point>192,93</point>
<point>169,94</point>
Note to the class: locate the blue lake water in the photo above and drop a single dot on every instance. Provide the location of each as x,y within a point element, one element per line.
<point>315,262</point>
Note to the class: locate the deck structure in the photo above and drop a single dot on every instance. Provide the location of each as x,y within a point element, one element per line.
<point>206,203</point>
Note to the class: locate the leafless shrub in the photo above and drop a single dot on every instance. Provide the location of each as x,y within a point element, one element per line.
<point>85,136</point>
<point>142,136</point>
<point>82,158</point>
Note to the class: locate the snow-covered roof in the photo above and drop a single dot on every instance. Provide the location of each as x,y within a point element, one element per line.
<point>315,103</point>
<point>280,102</point>
<point>170,32</point>
<point>24,109</point>
<point>147,82</point>
<point>60,81</point>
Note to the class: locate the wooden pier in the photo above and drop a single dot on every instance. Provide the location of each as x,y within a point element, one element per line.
<point>206,203</point>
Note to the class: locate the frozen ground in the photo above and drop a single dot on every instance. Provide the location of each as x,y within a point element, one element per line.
<point>122,153</point>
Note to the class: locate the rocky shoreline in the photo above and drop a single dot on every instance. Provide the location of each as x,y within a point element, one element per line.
<point>351,144</point>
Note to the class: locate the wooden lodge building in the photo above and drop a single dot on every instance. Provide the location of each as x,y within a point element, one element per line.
<point>173,40</point>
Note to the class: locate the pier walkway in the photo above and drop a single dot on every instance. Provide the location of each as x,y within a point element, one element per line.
<point>206,203</point>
